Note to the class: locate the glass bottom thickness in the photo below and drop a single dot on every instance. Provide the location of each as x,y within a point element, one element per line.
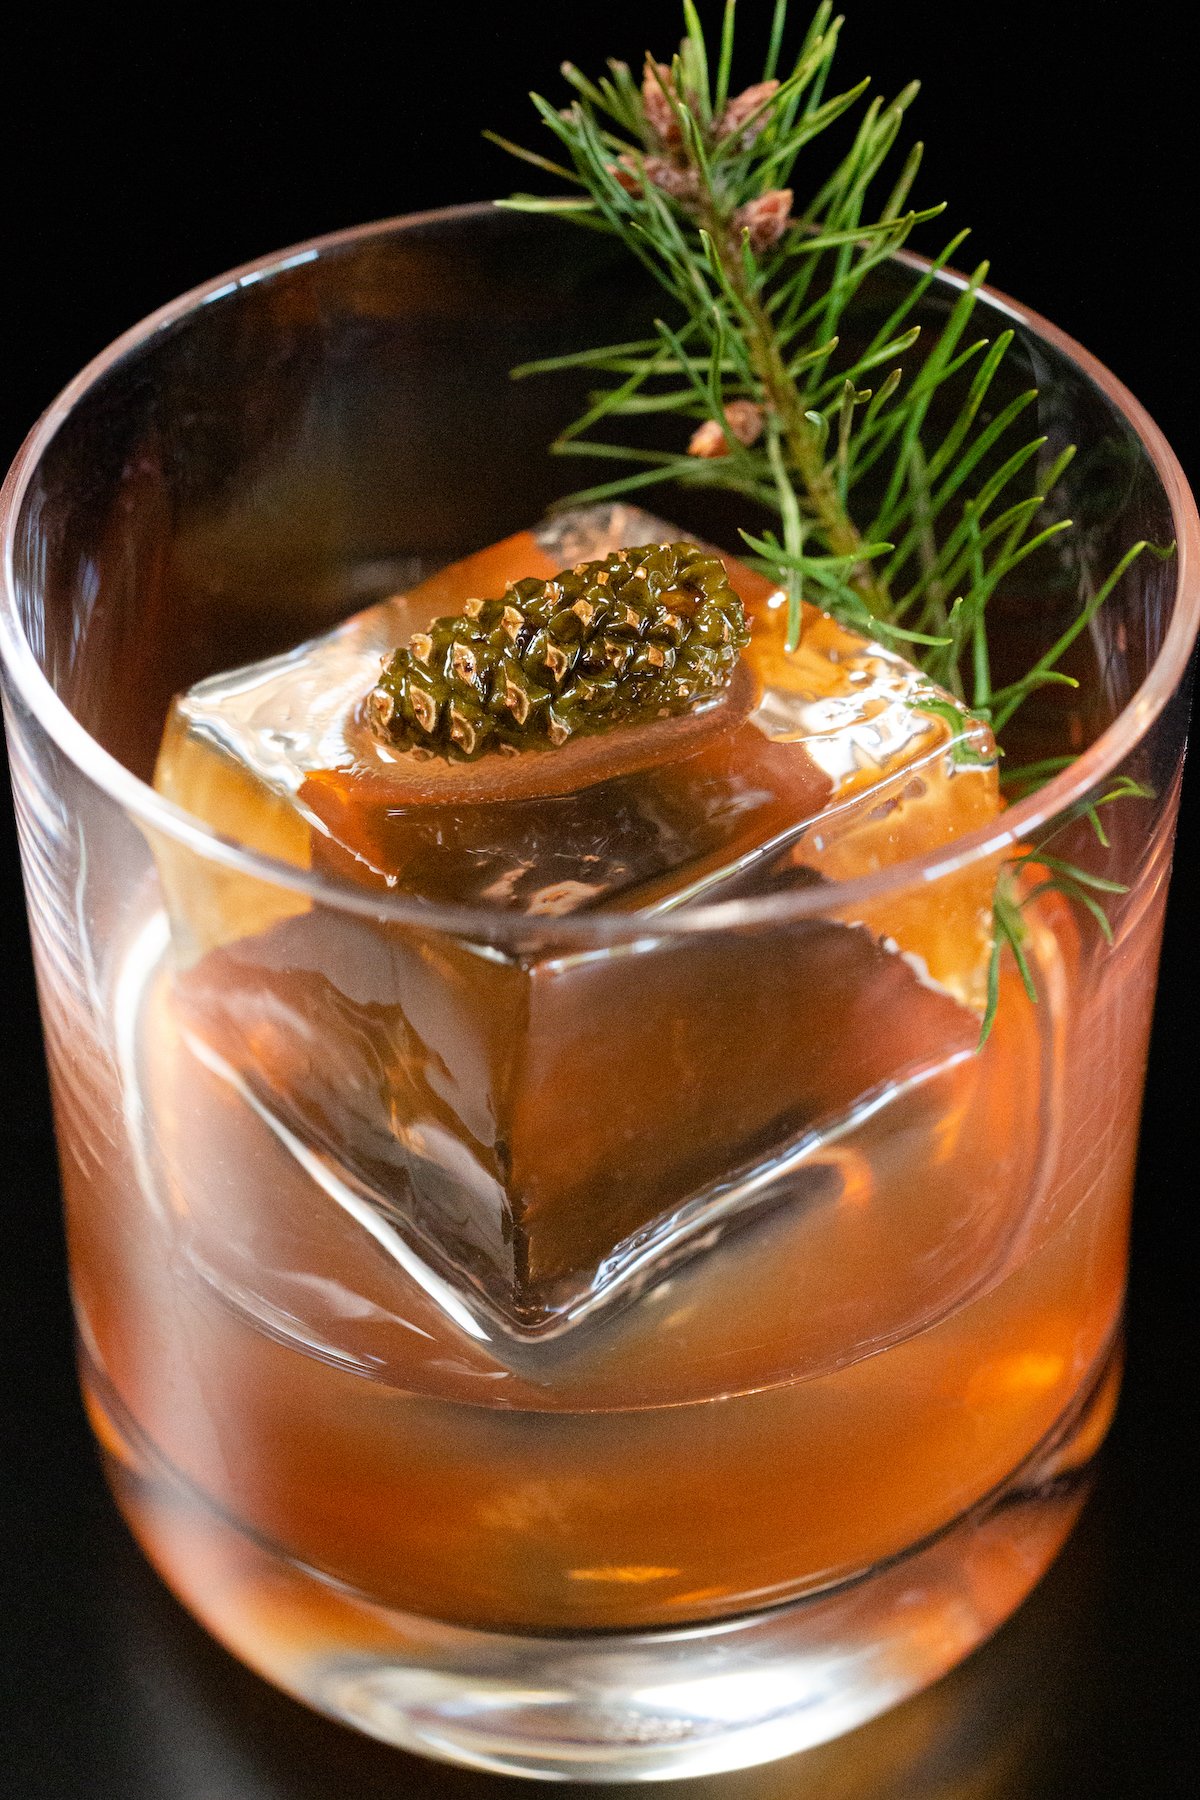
<point>619,1706</point>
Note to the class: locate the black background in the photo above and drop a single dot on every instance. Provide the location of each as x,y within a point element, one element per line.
<point>135,165</point>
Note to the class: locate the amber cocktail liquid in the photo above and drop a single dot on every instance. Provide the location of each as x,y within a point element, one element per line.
<point>540,1287</point>
<point>561,1283</point>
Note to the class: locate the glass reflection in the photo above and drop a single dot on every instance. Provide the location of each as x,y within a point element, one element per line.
<point>196,1725</point>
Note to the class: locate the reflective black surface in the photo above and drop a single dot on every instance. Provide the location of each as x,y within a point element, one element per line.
<point>136,168</point>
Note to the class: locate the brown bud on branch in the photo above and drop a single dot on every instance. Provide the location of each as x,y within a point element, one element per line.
<point>678,184</point>
<point>658,91</point>
<point>745,422</point>
<point>766,218</point>
<point>740,109</point>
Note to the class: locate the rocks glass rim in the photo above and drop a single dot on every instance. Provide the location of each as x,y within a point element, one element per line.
<point>1016,824</point>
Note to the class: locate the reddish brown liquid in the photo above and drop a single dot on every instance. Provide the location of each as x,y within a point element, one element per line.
<point>539,1110</point>
<point>815,1392</point>
<point>819,1392</point>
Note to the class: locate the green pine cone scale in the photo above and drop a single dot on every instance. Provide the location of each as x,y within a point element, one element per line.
<point>643,634</point>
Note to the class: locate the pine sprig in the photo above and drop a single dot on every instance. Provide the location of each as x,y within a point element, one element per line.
<point>904,493</point>
<point>1037,871</point>
<point>694,190</point>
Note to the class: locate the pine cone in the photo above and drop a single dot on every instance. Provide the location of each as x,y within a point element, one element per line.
<point>641,635</point>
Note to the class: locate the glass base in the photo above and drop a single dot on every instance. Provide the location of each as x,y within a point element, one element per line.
<point>621,1706</point>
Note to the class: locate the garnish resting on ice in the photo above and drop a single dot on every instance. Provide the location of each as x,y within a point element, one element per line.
<point>709,1061</point>
<point>644,634</point>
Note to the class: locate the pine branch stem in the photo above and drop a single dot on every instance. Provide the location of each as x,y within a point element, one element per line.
<point>805,452</point>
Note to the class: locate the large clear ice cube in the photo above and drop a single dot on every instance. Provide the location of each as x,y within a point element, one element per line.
<point>549,1124</point>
